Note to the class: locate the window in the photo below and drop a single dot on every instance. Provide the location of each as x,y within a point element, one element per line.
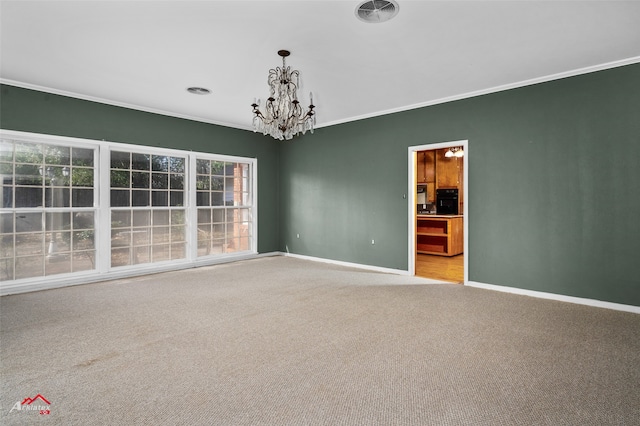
<point>47,219</point>
<point>76,206</point>
<point>223,195</point>
<point>148,213</point>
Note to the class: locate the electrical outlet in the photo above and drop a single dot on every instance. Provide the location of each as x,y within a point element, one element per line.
<point>297,235</point>
<point>373,241</point>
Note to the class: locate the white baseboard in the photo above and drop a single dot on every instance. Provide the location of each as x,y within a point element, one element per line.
<point>558,297</point>
<point>349,264</point>
<point>66,280</point>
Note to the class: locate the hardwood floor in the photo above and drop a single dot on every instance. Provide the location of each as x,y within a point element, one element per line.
<point>440,267</point>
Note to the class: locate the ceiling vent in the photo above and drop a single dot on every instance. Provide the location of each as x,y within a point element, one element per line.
<point>376,11</point>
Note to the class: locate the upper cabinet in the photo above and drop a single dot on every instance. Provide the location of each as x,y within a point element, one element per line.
<point>448,170</point>
<point>426,163</point>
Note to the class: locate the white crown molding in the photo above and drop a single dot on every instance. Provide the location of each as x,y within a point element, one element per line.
<point>117,104</point>
<point>558,76</point>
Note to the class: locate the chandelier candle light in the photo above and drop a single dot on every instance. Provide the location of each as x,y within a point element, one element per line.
<point>283,117</point>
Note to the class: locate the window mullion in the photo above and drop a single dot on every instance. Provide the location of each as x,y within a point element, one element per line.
<point>103,229</point>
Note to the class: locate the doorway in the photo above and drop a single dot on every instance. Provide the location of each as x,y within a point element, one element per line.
<point>438,244</point>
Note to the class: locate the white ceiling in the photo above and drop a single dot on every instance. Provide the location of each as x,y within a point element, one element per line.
<point>144,54</point>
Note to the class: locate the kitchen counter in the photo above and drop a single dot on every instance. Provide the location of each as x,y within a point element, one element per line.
<point>441,235</point>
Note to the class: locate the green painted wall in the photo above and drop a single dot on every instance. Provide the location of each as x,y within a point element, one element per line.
<point>37,112</point>
<point>553,178</point>
<point>554,184</point>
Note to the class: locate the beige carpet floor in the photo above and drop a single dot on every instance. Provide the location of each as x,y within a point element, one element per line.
<point>284,341</point>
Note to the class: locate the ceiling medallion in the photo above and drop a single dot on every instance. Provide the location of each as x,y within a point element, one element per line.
<point>283,117</point>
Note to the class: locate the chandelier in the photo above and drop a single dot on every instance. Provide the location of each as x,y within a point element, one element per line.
<point>283,117</point>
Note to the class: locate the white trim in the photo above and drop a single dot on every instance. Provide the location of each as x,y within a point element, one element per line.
<point>557,297</point>
<point>516,85</point>
<point>411,238</point>
<point>96,99</point>
<point>530,82</point>
<point>66,280</point>
<point>348,264</point>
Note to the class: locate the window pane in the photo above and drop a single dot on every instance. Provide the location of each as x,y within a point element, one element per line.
<point>204,216</point>
<point>57,221</point>
<point>177,198</point>
<point>83,260</point>
<point>28,197</point>
<point>120,160</point>
<point>120,256</point>
<point>82,197</point>
<point>140,180</point>
<point>160,181</point>
<point>141,217</point>
<point>177,165</point>
<point>160,217</point>
<point>178,251</point>
<point>56,197</point>
<point>217,168</point>
<point>55,154</point>
<point>217,183</point>
<point>29,153</point>
<point>159,198</point>
<point>203,167</point>
<point>83,220</point>
<point>120,179</point>
<point>202,198</point>
<point>202,182</point>
<point>82,177</point>
<point>83,240</point>
<point>27,267</point>
<point>177,233</point>
<point>160,163</point>
<point>177,181</point>
<point>28,174</point>
<point>6,150</point>
<point>30,244</point>
<point>140,198</point>
<point>120,219</point>
<point>120,198</point>
<point>60,264</point>
<point>160,252</point>
<point>82,157</point>
<point>140,161</point>
<point>160,235</point>
<point>142,255</point>
<point>6,223</point>
<point>177,217</point>
<point>29,222</point>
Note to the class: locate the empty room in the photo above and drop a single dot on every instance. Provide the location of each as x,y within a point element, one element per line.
<point>298,212</point>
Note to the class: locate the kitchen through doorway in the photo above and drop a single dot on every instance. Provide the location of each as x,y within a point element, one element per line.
<point>438,231</point>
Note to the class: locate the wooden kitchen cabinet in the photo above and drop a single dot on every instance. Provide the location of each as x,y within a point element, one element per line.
<point>426,166</point>
<point>448,170</point>
<point>442,236</point>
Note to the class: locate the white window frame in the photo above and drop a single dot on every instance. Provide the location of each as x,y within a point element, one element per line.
<point>102,209</point>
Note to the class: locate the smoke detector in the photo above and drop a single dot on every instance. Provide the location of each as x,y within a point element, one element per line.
<point>376,11</point>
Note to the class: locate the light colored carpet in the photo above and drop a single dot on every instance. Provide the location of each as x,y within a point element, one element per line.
<point>284,341</point>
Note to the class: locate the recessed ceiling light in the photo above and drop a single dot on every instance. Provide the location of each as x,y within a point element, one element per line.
<point>198,90</point>
<point>376,11</point>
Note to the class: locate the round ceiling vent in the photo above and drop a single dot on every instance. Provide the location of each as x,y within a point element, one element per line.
<point>376,11</point>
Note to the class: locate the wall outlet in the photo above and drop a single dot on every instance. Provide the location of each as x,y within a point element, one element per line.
<point>373,241</point>
<point>297,235</point>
